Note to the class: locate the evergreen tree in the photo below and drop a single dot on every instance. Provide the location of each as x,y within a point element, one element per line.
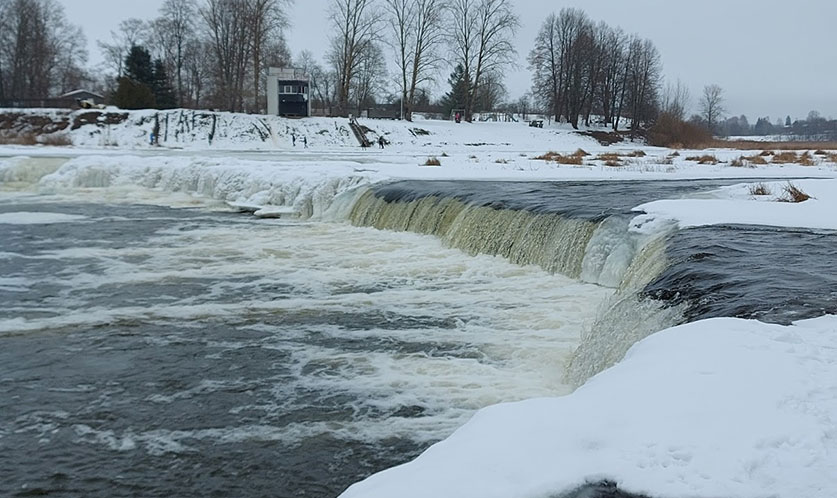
<point>458,94</point>
<point>132,95</point>
<point>134,90</point>
<point>161,87</point>
<point>138,66</point>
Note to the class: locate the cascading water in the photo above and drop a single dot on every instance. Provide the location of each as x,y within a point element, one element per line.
<point>602,250</point>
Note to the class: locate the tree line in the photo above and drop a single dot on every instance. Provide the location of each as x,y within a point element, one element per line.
<point>583,69</point>
<point>215,54</point>
<point>41,53</point>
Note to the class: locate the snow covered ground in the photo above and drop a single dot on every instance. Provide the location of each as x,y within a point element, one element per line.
<point>722,407</point>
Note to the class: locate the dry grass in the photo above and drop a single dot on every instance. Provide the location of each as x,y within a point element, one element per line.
<point>552,156</point>
<point>806,159</point>
<point>739,162</point>
<point>432,161</point>
<point>832,158</point>
<point>581,153</point>
<point>786,157</point>
<point>610,159</point>
<point>766,146</point>
<point>755,160</point>
<point>55,139</point>
<point>674,154</point>
<point>792,193</point>
<point>19,139</point>
<point>760,189</point>
<point>704,159</point>
<point>637,153</point>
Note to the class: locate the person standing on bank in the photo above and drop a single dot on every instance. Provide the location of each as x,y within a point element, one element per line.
<point>293,139</point>
<point>381,141</point>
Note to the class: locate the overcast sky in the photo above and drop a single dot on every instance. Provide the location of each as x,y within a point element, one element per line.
<point>772,57</point>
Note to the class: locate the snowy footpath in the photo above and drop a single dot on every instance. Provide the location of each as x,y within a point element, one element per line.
<point>717,408</point>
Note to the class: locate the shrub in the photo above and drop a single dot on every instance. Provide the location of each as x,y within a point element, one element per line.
<point>445,154</point>
<point>432,161</point>
<point>581,153</point>
<point>753,160</point>
<point>821,152</point>
<point>610,159</point>
<point>739,162</point>
<point>760,189</point>
<point>55,139</point>
<point>806,159</point>
<point>19,139</point>
<point>704,159</point>
<point>502,161</point>
<point>785,157</point>
<point>561,159</point>
<point>794,194</point>
<point>669,130</point>
<point>637,153</point>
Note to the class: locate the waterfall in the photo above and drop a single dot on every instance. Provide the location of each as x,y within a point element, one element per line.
<point>599,251</point>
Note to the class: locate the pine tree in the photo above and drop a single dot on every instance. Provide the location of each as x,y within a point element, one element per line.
<point>138,66</point>
<point>161,87</point>
<point>456,97</point>
<point>135,88</point>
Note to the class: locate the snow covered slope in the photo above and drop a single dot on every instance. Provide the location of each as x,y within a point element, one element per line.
<point>719,408</point>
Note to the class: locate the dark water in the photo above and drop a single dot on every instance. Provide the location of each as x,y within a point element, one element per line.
<point>591,200</point>
<point>770,274</point>
<point>141,404</point>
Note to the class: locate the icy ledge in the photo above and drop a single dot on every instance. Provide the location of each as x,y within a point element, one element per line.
<point>718,408</point>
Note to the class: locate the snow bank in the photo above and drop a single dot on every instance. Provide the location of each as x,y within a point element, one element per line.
<point>722,407</point>
<point>736,205</point>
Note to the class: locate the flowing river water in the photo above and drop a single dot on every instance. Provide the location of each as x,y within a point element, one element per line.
<point>154,351</point>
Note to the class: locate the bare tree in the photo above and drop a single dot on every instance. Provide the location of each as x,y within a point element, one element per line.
<point>416,33</point>
<point>712,105</point>
<point>480,35</point>
<point>131,32</point>
<point>40,52</point>
<point>197,65</point>
<point>355,26</point>
<point>174,29</point>
<point>676,99</point>
<point>370,76</point>
<point>322,83</point>
<point>229,27</point>
<point>266,21</point>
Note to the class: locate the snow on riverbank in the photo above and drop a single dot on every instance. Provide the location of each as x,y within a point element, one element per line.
<point>723,407</point>
<point>737,205</point>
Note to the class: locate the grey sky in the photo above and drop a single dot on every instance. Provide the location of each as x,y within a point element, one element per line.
<point>772,57</point>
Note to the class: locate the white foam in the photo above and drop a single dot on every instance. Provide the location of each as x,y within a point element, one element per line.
<point>37,218</point>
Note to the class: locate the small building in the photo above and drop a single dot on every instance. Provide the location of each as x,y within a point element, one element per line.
<point>288,92</point>
<point>79,95</point>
